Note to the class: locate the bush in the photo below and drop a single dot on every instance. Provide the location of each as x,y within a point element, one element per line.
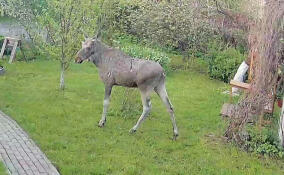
<point>130,46</point>
<point>223,64</point>
<point>263,142</point>
<point>173,24</point>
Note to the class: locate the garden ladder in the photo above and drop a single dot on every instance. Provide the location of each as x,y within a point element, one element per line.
<point>14,43</point>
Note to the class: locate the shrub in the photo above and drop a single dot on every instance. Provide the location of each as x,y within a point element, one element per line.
<point>174,24</point>
<point>129,102</point>
<point>130,46</point>
<point>263,142</point>
<point>223,64</point>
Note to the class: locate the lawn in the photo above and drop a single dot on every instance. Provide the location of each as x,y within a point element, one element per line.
<point>2,169</point>
<point>64,125</point>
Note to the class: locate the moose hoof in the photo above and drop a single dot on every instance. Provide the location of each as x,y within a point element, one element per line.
<point>102,123</point>
<point>175,136</point>
<point>131,131</point>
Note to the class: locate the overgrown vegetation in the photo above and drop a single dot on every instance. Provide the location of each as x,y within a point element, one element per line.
<point>188,27</point>
<point>2,169</point>
<point>223,63</point>
<point>268,57</point>
<point>137,50</point>
<point>264,141</point>
<point>173,24</point>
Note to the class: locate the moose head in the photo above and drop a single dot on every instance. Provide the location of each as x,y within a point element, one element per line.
<point>87,50</point>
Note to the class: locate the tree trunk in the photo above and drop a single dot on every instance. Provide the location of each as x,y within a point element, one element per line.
<point>281,126</point>
<point>62,83</point>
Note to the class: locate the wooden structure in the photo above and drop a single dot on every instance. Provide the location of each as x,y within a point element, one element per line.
<point>14,43</point>
<point>269,107</point>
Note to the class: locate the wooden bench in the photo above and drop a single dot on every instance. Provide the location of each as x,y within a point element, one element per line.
<point>269,108</point>
<point>237,84</point>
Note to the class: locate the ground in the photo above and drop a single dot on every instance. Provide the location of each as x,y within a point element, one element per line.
<point>2,169</point>
<point>64,124</point>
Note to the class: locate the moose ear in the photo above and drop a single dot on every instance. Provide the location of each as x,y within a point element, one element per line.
<point>97,35</point>
<point>85,34</point>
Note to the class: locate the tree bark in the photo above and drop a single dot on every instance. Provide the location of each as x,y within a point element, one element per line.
<point>281,126</point>
<point>62,82</point>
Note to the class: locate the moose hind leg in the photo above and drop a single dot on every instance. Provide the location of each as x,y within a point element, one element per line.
<point>162,92</point>
<point>106,104</point>
<point>146,111</point>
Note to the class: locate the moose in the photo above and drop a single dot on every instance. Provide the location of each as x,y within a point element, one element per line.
<point>117,68</point>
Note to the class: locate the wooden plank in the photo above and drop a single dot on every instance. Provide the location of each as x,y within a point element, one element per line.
<point>12,39</point>
<point>3,48</point>
<point>240,84</point>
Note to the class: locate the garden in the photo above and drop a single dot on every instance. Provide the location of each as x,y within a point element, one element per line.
<point>59,103</point>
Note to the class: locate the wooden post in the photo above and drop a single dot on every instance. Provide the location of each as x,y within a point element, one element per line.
<point>3,48</point>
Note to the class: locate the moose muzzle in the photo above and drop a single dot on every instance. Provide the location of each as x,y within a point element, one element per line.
<point>78,60</point>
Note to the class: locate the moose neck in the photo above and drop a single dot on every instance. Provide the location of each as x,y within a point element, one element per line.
<point>98,52</point>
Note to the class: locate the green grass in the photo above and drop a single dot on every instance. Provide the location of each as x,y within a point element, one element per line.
<point>2,169</point>
<point>65,124</point>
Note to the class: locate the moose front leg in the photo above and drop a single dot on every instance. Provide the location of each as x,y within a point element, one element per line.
<point>106,104</point>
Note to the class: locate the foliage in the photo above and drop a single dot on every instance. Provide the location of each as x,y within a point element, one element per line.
<point>264,142</point>
<point>268,44</point>
<point>173,24</point>
<point>223,63</point>
<point>1,11</point>
<point>127,45</point>
<point>55,27</point>
<point>183,25</point>
<point>26,13</point>
<point>3,170</point>
<point>63,20</point>
<point>64,125</point>
<point>130,103</point>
